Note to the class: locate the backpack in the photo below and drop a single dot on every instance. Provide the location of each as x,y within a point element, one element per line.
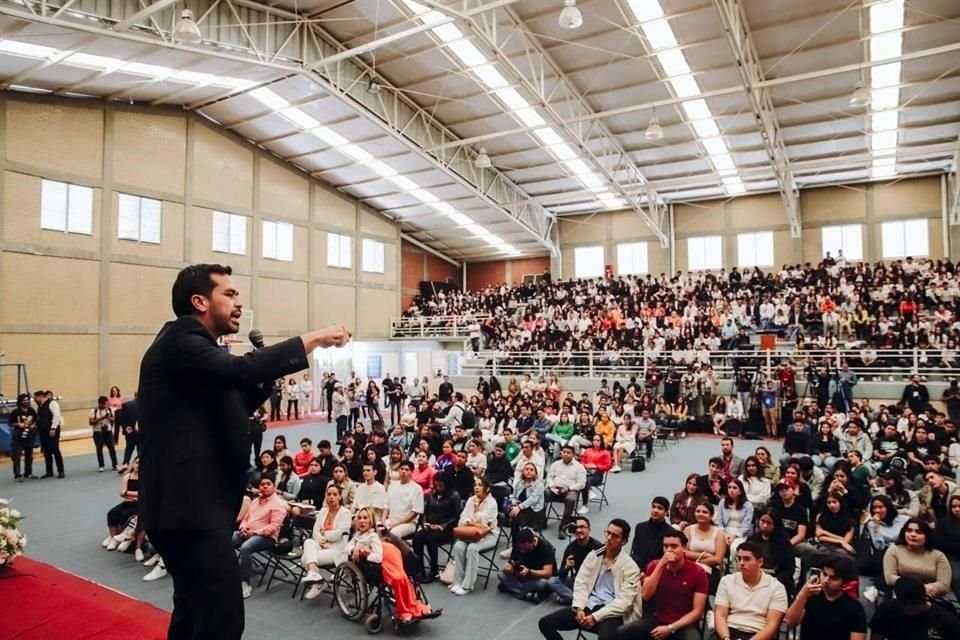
<point>469,420</point>
<point>639,463</point>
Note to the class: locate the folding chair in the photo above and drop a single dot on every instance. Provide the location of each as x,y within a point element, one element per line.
<point>602,490</point>
<point>285,560</point>
<point>488,558</point>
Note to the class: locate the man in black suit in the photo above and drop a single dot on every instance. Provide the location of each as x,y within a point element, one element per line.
<point>194,400</point>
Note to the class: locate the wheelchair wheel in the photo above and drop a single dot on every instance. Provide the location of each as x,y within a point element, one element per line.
<point>373,623</point>
<point>350,591</point>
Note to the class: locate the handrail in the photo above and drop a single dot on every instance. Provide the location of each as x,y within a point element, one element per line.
<point>456,326</point>
<point>926,362</point>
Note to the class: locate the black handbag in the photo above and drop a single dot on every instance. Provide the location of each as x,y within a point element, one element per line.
<point>867,555</point>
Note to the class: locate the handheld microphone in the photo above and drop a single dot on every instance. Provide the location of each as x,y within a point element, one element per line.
<point>256,338</point>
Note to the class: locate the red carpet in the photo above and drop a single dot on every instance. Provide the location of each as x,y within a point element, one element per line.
<point>40,602</point>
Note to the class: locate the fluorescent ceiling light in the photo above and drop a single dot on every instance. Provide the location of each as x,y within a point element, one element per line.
<point>645,9</point>
<point>886,16</point>
<point>468,53</point>
<point>382,169</point>
<point>355,152</point>
<point>673,62</point>
<point>299,118</point>
<point>685,86</point>
<point>886,46</point>
<point>404,183</point>
<point>590,180</point>
<point>530,117</point>
<point>659,34</point>
<point>448,32</point>
<point>424,196</point>
<point>577,166</point>
<point>269,99</point>
<point>488,75</point>
<point>100,63</point>
<point>548,136</point>
<point>885,75</point>
<point>715,146</point>
<point>696,109</point>
<point>886,98</point>
<point>706,128</point>
<point>883,140</point>
<point>329,136</point>
<point>26,49</point>
<point>563,152</point>
<point>459,218</point>
<point>511,98</point>
<point>883,120</point>
<point>477,230</point>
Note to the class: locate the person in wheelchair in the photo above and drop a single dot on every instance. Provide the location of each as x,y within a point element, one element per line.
<point>328,544</point>
<point>382,563</point>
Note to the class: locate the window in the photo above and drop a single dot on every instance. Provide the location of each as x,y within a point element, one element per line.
<point>278,240</point>
<point>372,256</point>
<point>845,237</point>
<point>66,207</point>
<point>905,238</point>
<point>704,253</point>
<point>138,218</point>
<point>755,249</point>
<point>338,250</point>
<point>229,233</point>
<point>632,258</point>
<point>588,262</point>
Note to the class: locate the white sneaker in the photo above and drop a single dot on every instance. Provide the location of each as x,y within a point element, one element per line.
<point>616,469</point>
<point>871,593</point>
<point>505,554</point>
<point>106,541</point>
<point>112,544</point>
<point>313,591</point>
<point>459,591</point>
<point>156,573</point>
<point>246,590</point>
<point>312,576</point>
<point>138,555</point>
<point>123,546</point>
<point>152,560</point>
<point>100,470</point>
<point>584,510</point>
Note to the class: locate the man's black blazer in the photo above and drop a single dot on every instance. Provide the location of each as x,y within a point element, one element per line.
<point>195,400</point>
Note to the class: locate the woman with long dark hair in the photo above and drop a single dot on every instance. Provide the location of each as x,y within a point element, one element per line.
<point>914,555</point>
<point>685,501</point>
<point>735,516</point>
<point>778,554</point>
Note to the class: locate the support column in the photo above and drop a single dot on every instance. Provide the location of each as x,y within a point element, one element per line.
<point>106,235</point>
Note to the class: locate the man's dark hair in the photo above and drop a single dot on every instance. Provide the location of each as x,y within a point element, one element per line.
<point>582,519</point>
<point>716,460</point>
<point>679,535</point>
<point>841,565</point>
<point>304,441</point>
<point>726,439</point>
<point>286,460</point>
<point>195,280</point>
<point>365,465</point>
<point>624,527</point>
<point>323,444</point>
<point>753,547</point>
<point>406,464</point>
<point>525,536</point>
<point>567,447</point>
<point>101,399</point>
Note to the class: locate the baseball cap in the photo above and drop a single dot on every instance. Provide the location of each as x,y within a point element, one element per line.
<point>787,482</point>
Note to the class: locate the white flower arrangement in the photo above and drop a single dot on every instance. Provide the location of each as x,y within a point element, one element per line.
<point>12,540</point>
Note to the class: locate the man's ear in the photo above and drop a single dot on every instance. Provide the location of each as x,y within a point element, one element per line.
<point>200,303</point>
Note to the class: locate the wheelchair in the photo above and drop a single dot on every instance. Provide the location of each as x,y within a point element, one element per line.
<point>361,594</point>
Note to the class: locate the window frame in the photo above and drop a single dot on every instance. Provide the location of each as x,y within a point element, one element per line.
<point>841,228</point>
<point>274,252</point>
<point>755,262</point>
<point>703,266</point>
<point>577,260</point>
<point>368,244</point>
<point>645,258</point>
<point>140,200</point>
<point>71,192</point>
<point>231,220</point>
<point>904,234</point>
<point>344,244</point>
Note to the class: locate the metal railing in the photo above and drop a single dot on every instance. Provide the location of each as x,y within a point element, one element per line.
<point>895,363</point>
<point>434,326</point>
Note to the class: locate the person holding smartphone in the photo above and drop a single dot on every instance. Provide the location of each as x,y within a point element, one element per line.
<point>826,611</point>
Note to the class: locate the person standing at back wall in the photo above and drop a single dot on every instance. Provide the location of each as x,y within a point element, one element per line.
<point>195,400</point>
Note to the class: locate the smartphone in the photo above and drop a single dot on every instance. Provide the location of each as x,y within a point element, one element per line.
<point>813,574</point>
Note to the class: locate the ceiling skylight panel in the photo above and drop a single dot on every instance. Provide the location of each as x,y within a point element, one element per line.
<point>674,63</point>
<point>882,171</point>
<point>548,136</point>
<point>489,76</point>
<point>329,136</point>
<point>886,46</point>
<point>382,169</point>
<point>193,77</point>
<point>355,152</point>
<point>659,34</point>
<point>468,53</point>
<point>883,120</point>
<point>706,128</point>
<point>151,70</point>
<point>885,75</point>
<point>613,203</point>
<point>715,146</point>
<point>448,32</point>
<point>883,140</point>
<point>26,49</point>
<point>886,98</point>
<point>884,162</point>
<point>404,183</point>
<point>443,207</point>
<point>723,163</point>
<point>886,16</point>
<point>645,9</point>
<point>269,99</point>
<point>299,118</point>
<point>477,230</point>
<point>234,83</point>
<point>492,240</point>
<point>685,86</point>
<point>424,196</point>
<point>696,109</point>
<point>530,117</point>
<point>511,98</point>
<point>460,218</point>
<point>563,152</point>
<point>590,180</point>
<point>733,186</point>
<point>99,63</point>
<point>577,166</point>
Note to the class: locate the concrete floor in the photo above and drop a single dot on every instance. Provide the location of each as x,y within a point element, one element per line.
<point>65,524</point>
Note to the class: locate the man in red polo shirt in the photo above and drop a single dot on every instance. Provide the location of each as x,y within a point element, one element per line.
<point>679,588</point>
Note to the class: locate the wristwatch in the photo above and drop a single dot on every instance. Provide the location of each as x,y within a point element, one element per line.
<point>672,630</point>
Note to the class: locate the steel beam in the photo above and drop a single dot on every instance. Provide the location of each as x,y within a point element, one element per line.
<point>146,12</point>
<point>955,190</point>
<point>734,20</point>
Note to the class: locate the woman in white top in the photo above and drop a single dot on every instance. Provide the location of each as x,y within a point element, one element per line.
<point>756,486</point>
<point>292,394</point>
<point>707,543</point>
<point>306,393</point>
<point>626,442</point>
<point>475,532</point>
<point>328,545</point>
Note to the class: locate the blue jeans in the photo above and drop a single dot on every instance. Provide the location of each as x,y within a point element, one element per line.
<point>563,588</point>
<point>521,588</point>
<point>248,547</point>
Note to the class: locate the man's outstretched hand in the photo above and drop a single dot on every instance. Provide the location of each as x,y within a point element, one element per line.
<point>332,336</point>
